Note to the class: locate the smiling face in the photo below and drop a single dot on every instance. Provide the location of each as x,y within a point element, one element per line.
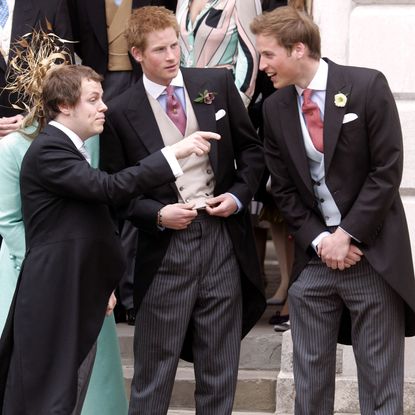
<point>160,59</point>
<point>282,67</point>
<point>86,118</point>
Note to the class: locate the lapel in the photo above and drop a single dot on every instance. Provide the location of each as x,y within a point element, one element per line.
<point>58,134</point>
<point>333,116</point>
<point>293,136</point>
<point>117,27</point>
<point>141,118</point>
<point>205,113</point>
<point>96,11</point>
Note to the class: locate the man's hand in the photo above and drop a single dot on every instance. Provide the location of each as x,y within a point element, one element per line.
<point>178,215</point>
<point>196,143</point>
<point>223,205</point>
<point>334,248</point>
<point>112,302</point>
<point>10,124</point>
<point>353,256</point>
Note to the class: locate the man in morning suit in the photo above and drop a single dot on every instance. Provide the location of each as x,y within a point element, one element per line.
<point>333,146</point>
<point>197,279</point>
<point>21,17</point>
<point>74,258</point>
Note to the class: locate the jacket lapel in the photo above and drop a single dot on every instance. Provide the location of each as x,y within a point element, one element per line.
<point>288,108</point>
<point>333,115</point>
<point>205,113</point>
<point>140,115</point>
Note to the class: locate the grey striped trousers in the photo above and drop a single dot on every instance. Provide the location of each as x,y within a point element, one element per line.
<point>198,283</point>
<point>316,300</point>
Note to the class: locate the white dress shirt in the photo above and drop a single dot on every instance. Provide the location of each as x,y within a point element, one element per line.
<point>325,200</point>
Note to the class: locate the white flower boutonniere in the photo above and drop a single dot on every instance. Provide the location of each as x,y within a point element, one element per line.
<point>340,100</point>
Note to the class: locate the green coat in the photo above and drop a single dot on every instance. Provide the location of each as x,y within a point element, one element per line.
<point>106,393</point>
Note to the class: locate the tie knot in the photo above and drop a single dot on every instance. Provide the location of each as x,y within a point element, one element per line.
<point>170,90</point>
<point>307,94</point>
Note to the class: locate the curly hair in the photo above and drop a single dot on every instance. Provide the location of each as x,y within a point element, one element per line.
<point>145,20</point>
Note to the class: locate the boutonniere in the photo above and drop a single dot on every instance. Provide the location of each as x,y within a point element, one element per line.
<point>340,100</point>
<point>205,97</point>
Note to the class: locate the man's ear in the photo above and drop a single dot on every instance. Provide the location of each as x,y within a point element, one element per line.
<point>298,50</point>
<point>64,108</point>
<point>136,53</point>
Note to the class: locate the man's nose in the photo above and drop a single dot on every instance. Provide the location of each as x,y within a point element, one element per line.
<point>102,107</point>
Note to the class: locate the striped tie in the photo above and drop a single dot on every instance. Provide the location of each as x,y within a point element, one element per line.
<point>4,12</point>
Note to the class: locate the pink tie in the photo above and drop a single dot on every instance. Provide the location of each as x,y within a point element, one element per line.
<point>311,113</point>
<point>175,110</point>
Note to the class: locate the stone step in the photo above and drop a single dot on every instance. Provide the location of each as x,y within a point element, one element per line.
<point>255,390</point>
<point>260,349</point>
<point>192,412</point>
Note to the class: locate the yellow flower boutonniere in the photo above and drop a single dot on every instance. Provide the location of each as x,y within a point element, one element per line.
<point>205,97</point>
<point>340,100</point>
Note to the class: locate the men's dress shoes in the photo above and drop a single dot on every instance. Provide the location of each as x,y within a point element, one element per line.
<point>282,326</point>
<point>277,318</point>
<point>130,317</point>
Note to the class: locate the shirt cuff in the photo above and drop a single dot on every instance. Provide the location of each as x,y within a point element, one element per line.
<point>237,201</point>
<point>317,240</point>
<point>351,236</point>
<point>172,160</point>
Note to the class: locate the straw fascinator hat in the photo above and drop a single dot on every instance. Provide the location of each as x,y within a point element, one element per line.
<point>33,56</point>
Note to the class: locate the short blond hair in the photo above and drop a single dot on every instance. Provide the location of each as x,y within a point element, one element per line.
<point>145,20</point>
<point>289,26</point>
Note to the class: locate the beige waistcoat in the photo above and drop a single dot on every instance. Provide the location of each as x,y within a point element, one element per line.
<point>198,181</point>
<point>117,18</point>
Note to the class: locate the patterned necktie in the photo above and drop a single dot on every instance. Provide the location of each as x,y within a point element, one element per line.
<point>4,12</point>
<point>312,118</point>
<point>85,153</point>
<point>175,111</point>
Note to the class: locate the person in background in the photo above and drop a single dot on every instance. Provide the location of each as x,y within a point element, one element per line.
<point>98,27</point>
<point>197,284</point>
<point>73,255</point>
<point>216,34</point>
<point>333,146</point>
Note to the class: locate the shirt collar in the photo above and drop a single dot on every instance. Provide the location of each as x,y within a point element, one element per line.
<point>319,82</point>
<point>78,143</point>
<point>155,90</point>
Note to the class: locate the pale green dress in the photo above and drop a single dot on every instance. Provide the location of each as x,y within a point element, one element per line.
<point>106,393</point>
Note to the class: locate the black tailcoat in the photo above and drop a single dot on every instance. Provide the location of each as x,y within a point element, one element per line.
<point>73,262</point>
